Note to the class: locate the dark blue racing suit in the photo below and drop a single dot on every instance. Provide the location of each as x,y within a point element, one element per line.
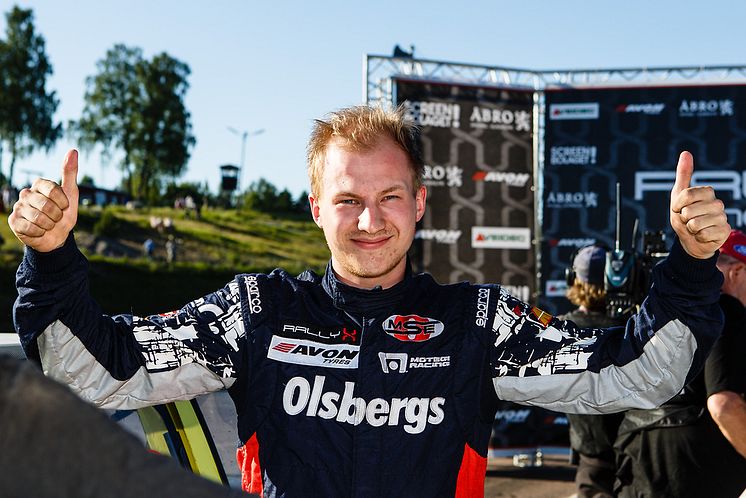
<point>367,393</point>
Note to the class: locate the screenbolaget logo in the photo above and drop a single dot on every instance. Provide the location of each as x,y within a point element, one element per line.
<point>706,108</point>
<point>442,176</point>
<point>435,114</point>
<point>413,414</point>
<point>401,362</point>
<point>500,238</point>
<point>579,155</point>
<point>302,352</point>
<point>439,236</point>
<point>559,200</point>
<point>488,118</point>
<point>649,109</point>
<point>507,177</point>
<point>412,328</point>
<point>580,110</point>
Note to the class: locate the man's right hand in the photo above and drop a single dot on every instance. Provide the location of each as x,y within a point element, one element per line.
<point>46,213</point>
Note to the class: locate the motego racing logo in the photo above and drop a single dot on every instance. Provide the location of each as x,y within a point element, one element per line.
<point>412,328</point>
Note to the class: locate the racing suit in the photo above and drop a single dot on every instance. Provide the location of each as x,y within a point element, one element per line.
<point>347,392</point>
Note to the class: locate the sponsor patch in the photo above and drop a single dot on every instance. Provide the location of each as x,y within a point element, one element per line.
<point>412,328</point>
<point>402,362</point>
<point>303,352</point>
<point>328,335</point>
<point>413,414</point>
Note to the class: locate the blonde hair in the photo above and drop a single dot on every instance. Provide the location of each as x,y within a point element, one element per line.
<point>591,296</point>
<point>360,128</point>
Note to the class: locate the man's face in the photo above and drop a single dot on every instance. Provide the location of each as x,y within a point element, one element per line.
<point>368,212</point>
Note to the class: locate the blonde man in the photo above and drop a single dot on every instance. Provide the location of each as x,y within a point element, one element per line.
<point>368,380</point>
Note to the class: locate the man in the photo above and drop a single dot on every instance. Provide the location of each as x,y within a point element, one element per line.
<point>592,436</point>
<point>689,447</point>
<point>368,380</point>
<point>54,445</point>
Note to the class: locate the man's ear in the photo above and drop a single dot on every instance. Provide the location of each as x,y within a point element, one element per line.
<point>419,198</point>
<point>313,201</point>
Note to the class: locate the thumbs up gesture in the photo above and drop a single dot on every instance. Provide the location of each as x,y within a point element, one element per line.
<point>45,213</point>
<point>697,216</point>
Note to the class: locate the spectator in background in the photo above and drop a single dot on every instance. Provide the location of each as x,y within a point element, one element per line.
<point>592,436</point>
<point>690,446</point>
<point>148,247</point>
<point>171,249</point>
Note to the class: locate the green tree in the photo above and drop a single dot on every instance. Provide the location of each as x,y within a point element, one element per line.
<point>137,106</point>
<point>26,107</point>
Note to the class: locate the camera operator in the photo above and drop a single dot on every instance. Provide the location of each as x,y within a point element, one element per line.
<point>690,445</point>
<point>592,436</point>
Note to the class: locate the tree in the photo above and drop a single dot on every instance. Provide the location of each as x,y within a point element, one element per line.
<point>137,106</point>
<point>26,107</point>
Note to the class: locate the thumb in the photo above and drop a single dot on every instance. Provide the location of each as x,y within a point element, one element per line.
<point>70,175</point>
<point>684,170</point>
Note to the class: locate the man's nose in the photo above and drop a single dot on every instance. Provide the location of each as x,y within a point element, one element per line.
<point>371,219</point>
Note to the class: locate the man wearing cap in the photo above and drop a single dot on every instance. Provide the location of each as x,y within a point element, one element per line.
<point>592,436</point>
<point>690,446</point>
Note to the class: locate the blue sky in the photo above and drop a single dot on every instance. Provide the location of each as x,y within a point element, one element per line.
<point>278,65</point>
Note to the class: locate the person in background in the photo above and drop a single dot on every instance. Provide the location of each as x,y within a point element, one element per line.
<point>695,444</point>
<point>592,436</point>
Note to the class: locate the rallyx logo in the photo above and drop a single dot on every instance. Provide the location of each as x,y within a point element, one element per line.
<point>416,413</point>
<point>255,303</point>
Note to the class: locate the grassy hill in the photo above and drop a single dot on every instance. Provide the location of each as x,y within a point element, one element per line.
<point>210,251</point>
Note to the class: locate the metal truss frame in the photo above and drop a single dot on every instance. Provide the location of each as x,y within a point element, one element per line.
<point>379,72</point>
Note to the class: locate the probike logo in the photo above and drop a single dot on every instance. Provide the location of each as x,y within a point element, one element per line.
<point>413,414</point>
<point>580,110</point>
<point>412,328</point>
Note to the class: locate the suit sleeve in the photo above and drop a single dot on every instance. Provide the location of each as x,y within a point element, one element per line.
<point>123,361</point>
<point>540,360</point>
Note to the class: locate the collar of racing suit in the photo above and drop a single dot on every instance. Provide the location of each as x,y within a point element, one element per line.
<point>367,302</point>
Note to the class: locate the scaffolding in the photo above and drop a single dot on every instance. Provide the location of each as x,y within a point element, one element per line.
<point>380,72</point>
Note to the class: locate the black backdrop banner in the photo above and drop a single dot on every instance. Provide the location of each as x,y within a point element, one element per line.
<point>596,137</point>
<point>478,148</point>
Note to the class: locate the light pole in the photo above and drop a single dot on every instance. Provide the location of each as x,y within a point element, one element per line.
<point>244,135</point>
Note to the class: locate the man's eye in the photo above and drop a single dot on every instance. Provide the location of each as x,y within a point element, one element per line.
<point>390,197</point>
<point>350,202</point>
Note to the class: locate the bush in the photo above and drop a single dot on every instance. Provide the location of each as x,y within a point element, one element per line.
<point>108,225</point>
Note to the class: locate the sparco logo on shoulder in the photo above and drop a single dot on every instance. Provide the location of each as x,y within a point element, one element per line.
<point>412,328</point>
<point>252,286</point>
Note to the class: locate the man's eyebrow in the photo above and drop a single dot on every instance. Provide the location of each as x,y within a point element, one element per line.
<point>395,188</point>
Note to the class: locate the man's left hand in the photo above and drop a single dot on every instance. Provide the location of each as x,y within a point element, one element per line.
<point>697,216</point>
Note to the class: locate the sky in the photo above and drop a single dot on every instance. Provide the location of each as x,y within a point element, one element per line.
<point>276,66</point>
